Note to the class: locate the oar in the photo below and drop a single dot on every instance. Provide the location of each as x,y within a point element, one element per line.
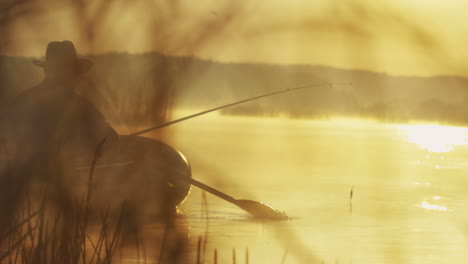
<point>257,209</point>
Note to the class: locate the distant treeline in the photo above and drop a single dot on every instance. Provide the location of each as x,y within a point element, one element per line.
<point>145,88</point>
<point>332,103</point>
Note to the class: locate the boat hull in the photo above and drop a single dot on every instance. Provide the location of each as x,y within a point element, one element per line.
<point>142,173</point>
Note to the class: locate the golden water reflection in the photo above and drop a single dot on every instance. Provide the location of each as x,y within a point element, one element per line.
<point>429,206</point>
<point>435,138</point>
<point>401,212</point>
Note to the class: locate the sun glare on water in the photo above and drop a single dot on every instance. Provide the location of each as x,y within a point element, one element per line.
<point>429,206</point>
<point>434,138</point>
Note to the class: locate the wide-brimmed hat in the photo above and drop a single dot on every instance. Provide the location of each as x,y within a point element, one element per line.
<point>64,54</point>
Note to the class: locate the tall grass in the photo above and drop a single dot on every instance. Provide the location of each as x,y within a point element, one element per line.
<point>42,232</point>
<point>54,231</point>
<point>41,236</point>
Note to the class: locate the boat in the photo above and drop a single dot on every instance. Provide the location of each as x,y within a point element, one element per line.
<point>145,174</point>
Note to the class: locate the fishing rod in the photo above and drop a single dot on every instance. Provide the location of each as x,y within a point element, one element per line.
<point>229,105</point>
<point>257,209</point>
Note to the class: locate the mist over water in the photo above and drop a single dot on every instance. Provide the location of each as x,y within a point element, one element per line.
<point>409,193</point>
<point>356,191</point>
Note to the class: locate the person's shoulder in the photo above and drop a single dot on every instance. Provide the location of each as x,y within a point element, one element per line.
<point>29,94</point>
<point>29,100</point>
<point>19,104</point>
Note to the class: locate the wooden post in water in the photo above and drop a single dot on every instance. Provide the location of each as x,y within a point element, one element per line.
<point>246,255</point>
<point>233,256</point>
<point>215,256</point>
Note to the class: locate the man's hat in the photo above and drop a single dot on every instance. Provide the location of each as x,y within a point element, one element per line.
<point>64,54</point>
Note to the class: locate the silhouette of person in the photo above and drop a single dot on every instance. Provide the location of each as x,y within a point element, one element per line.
<point>52,114</point>
<point>49,126</point>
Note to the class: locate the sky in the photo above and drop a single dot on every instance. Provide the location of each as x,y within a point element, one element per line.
<point>399,37</point>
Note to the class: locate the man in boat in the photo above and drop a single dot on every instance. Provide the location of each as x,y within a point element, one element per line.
<point>49,127</point>
<point>51,134</point>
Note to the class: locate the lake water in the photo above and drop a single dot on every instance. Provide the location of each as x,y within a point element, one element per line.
<point>409,197</point>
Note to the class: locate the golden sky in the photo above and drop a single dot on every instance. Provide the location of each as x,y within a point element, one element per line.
<point>403,37</point>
